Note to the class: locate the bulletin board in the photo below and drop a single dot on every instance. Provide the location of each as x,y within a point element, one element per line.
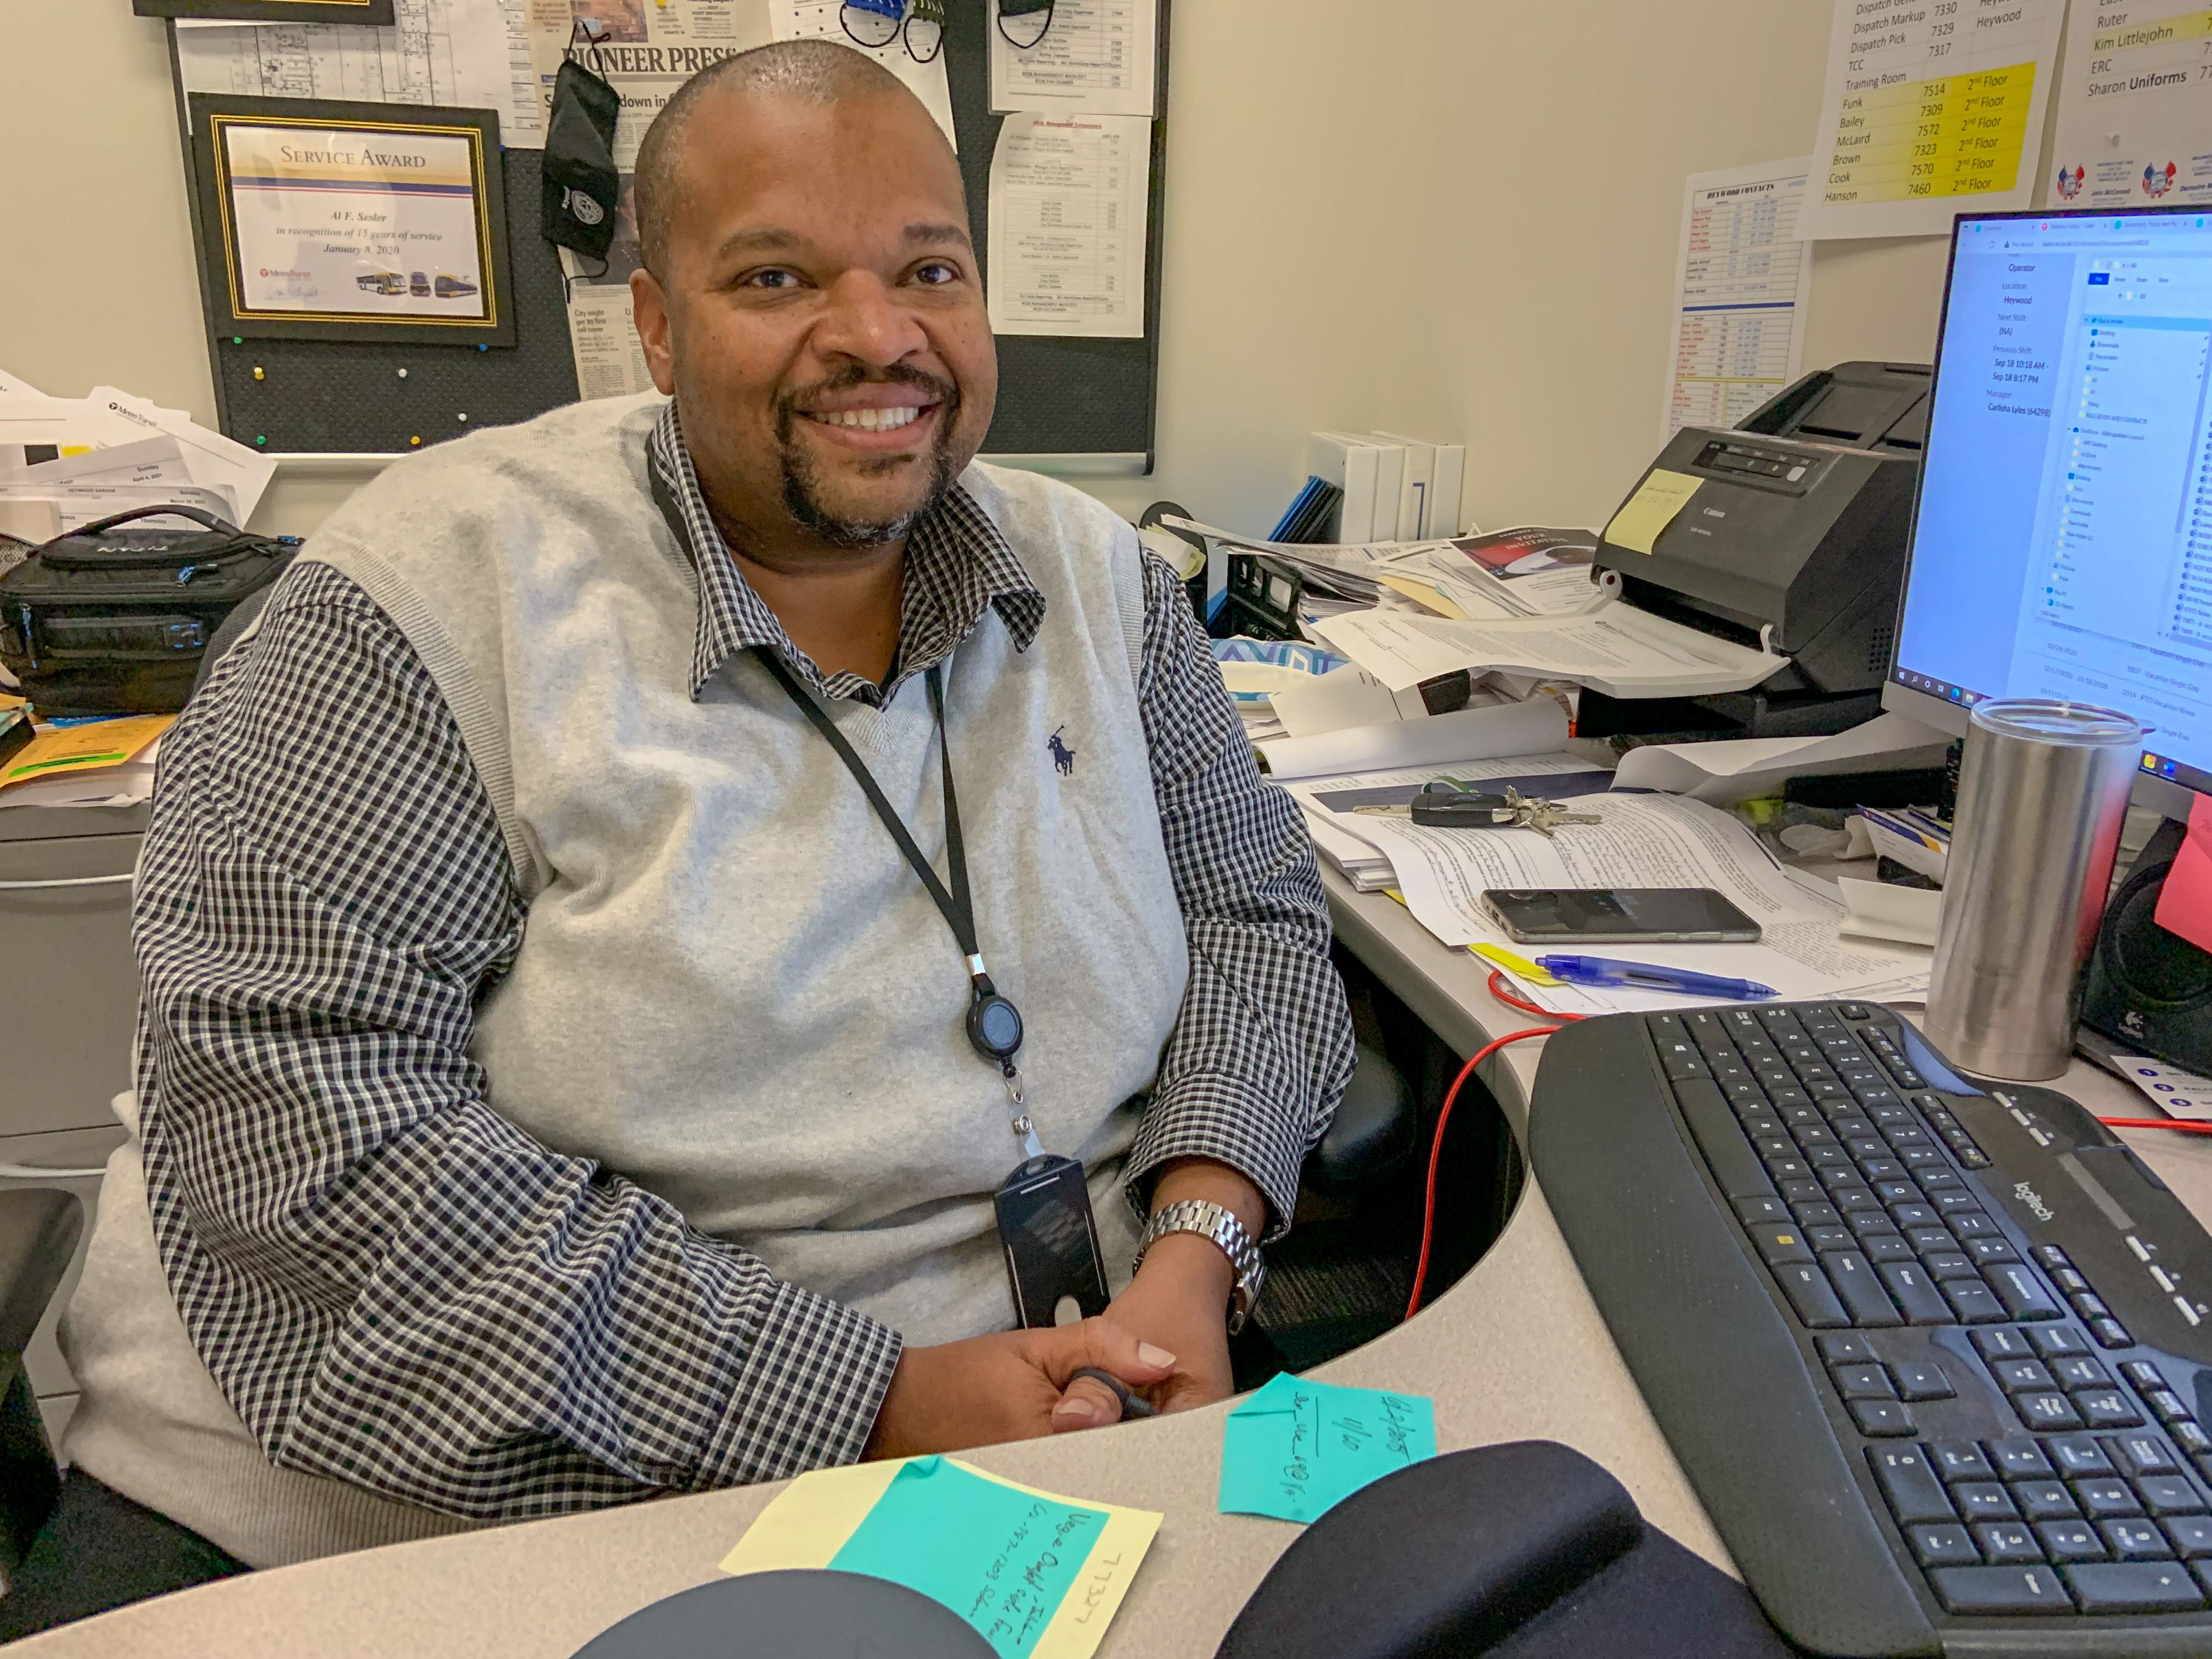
<point>1057,396</point>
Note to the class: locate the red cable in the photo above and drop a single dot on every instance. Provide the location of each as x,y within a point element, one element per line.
<point>2174,1124</point>
<point>1444,1117</point>
<point>1497,989</point>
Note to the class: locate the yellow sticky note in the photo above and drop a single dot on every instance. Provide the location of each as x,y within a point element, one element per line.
<point>1424,595</point>
<point>1498,956</point>
<point>1650,509</point>
<point>1039,1575</point>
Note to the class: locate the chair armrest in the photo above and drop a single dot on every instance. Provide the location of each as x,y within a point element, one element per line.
<point>39,1231</point>
<point>1374,1130</point>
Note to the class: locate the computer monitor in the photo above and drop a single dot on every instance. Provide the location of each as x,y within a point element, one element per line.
<point>2062,541</point>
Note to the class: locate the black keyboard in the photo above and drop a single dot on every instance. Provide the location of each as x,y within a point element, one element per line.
<point>1937,1355</point>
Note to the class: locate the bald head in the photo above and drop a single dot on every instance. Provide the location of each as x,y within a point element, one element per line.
<point>817,71</point>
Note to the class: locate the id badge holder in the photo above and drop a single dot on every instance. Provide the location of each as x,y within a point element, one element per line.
<point>1051,1240</point>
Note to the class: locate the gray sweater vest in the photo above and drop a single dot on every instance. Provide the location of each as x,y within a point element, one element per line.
<point>732,988</point>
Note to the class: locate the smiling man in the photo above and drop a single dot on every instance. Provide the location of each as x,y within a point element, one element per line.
<point>578,1057</point>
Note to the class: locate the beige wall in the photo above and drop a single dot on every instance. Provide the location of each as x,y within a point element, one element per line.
<point>1452,216</point>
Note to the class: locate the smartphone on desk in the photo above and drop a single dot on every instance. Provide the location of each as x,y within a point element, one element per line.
<point>1618,915</point>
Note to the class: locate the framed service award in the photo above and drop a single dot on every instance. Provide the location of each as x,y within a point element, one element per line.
<point>270,11</point>
<point>352,222</point>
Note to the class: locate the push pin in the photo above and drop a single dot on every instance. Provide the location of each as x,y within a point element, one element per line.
<point>260,373</point>
<point>414,442</point>
<point>403,373</point>
<point>462,417</point>
<point>261,439</point>
<point>238,339</point>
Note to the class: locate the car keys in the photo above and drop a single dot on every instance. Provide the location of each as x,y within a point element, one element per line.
<point>1447,804</point>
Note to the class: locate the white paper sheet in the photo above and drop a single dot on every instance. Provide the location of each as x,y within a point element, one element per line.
<point>2134,126</point>
<point>1647,841</point>
<point>2173,1091</point>
<point>1930,109</point>
<point>1537,727</point>
<point>1098,58</point>
<point>465,54</point>
<point>1619,650</point>
<point>1743,768</point>
<point>213,460</point>
<point>1068,206</point>
<point>1881,909</point>
<point>813,20</point>
<point>1741,283</point>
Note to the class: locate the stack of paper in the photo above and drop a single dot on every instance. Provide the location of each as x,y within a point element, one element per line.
<point>90,763</point>
<point>1255,670</point>
<point>66,461</point>
<point>1616,649</point>
<point>1639,840</point>
<point>1736,769</point>
<point>1526,571</point>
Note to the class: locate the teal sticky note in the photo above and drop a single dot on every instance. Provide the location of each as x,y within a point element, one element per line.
<point>1297,1449</point>
<point>1002,1559</point>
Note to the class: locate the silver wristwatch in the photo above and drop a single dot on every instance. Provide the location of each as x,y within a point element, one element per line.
<point>1192,1215</point>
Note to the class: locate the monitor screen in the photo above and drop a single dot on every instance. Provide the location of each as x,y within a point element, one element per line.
<point>2061,545</point>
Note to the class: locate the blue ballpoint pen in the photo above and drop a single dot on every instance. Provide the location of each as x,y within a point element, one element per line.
<point>1643,976</point>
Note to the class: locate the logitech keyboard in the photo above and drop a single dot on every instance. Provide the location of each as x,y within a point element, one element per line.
<point>1935,1354</point>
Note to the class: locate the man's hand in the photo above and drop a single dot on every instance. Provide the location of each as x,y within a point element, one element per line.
<point>1010,1387</point>
<point>1179,1298</point>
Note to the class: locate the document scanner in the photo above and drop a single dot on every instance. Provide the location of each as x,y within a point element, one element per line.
<point>1794,538</point>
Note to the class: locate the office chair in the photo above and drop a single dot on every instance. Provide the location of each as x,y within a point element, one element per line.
<point>39,1231</point>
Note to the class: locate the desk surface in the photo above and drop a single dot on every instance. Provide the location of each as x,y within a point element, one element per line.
<point>1515,1351</point>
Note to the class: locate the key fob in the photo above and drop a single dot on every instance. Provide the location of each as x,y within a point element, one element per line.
<point>1051,1241</point>
<point>1464,810</point>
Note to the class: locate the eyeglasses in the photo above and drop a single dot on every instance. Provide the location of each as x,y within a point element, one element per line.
<point>1023,8</point>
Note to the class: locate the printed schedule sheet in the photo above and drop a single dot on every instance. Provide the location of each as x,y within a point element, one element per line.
<point>1742,282</point>
<point>1932,107</point>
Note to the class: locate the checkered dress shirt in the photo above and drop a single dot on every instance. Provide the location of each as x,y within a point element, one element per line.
<point>396,1287</point>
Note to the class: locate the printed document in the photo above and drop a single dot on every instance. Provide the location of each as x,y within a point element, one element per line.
<point>819,20</point>
<point>462,54</point>
<point>1619,650</point>
<point>1641,841</point>
<point>1741,283</point>
<point>2135,128</point>
<point>648,50</point>
<point>1097,58</point>
<point>1932,108</point>
<point>1069,195</point>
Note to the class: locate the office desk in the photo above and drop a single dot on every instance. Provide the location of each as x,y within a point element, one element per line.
<point>1515,1351</point>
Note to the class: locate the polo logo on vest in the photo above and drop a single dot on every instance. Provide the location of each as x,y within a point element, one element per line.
<point>1062,755</point>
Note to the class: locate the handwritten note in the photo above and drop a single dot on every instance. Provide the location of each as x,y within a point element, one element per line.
<point>1297,1449</point>
<point>1038,1575</point>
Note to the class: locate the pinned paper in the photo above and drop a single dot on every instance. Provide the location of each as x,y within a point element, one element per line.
<point>2185,903</point>
<point>1650,509</point>
<point>1297,1449</point>
<point>1037,1574</point>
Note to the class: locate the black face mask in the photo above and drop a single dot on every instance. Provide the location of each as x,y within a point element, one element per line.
<point>582,186</point>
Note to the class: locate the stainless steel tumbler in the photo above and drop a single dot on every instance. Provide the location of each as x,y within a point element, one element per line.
<point>2041,798</point>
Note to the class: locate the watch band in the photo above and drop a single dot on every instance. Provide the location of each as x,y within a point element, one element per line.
<point>1213,1221</point>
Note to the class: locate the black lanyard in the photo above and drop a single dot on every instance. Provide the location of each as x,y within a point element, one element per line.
<point>994,1024</point>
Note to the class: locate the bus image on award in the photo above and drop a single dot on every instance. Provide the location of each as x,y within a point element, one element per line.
<point>330,221</point>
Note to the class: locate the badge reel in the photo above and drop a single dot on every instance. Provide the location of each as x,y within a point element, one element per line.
<point>1046,1227</point>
